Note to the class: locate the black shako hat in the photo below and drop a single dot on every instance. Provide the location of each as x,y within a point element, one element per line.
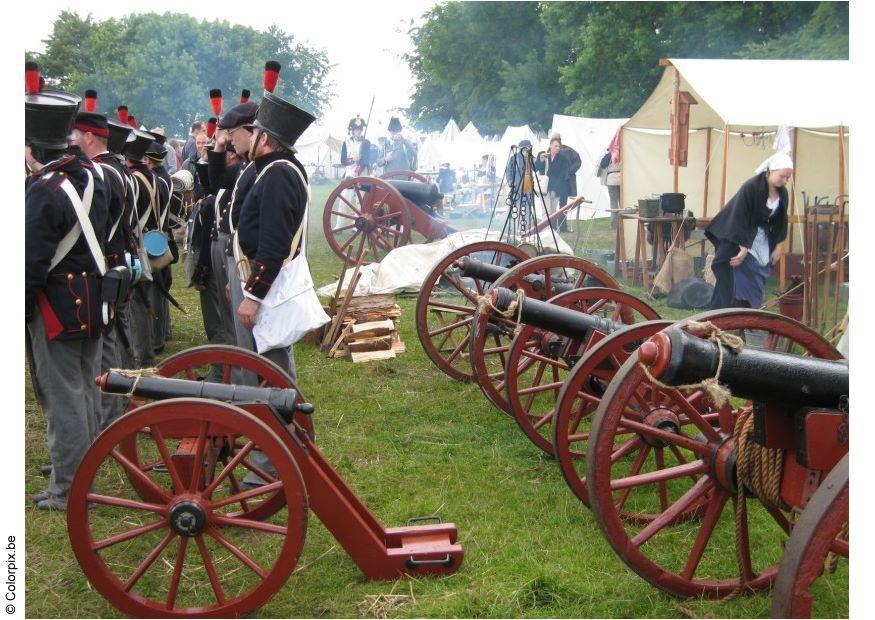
<point>356,123</point>
<point>156,152</point>
<point>281,119</point>
<point>157,137</point>
<point>92,122</point>
<point>136,148</point>
<point>240,114</point>
<point>394,124</point>
<point>118,135</point>
<point>48,119</point>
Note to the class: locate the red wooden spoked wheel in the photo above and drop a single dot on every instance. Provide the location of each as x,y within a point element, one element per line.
<point>582,393</point>
<point>821,529</point>
<point>182,554</point>
<point>365,216</point>
<point>541,277</point>
<point>405,175</point>
<point>447,302</point>
<point>538,361</point>
<point>671,451</point>
<point>236,365</point>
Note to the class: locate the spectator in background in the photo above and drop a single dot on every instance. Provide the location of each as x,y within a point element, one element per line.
<point>556,166</point>
<point>574,162</point>
<point>446,179</point>
<point>197,128</point>
<point>609,174</point>
<point>171,165</point>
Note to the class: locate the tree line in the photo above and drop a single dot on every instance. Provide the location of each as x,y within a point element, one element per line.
<point>510,63</point>
<point>162,66</point>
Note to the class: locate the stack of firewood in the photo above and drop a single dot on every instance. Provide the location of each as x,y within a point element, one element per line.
<point>363,328</point>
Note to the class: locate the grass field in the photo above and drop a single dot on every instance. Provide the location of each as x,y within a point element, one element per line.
<point>410,442</point>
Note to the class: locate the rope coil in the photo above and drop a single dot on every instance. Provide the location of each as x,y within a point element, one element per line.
<point>719,394</point>
<point>135,374</point>
<point>485,306</point>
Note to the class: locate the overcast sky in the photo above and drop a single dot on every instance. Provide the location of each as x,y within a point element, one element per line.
<point>364,40</point>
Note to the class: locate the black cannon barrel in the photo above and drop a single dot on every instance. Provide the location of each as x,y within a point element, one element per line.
<point>159,388</point>
<point>544,315</point>
<point>473,268</point>
<point>421,194</point>
<point>677,357</point>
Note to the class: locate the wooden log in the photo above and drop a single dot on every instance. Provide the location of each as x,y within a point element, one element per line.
<point>369,330</point>
<point>341,340</point>
<point>370,356</point>
<point>379,343</point>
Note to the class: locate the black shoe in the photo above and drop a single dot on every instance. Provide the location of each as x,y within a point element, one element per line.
<point>45,470</point>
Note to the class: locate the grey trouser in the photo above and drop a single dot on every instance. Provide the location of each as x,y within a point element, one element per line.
<point>141,324</point>
<point>64,371</point>
<point>220,266</point>
<point>284,358</point>
<point>161,307</point>
<point>111,406</point>
<point>614,195</point>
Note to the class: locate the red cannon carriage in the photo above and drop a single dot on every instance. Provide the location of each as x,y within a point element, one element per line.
<point>195,505</point>
<point>717,473</point>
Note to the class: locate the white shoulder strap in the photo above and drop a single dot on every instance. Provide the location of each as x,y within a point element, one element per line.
<point>152,208</point>
<point>234,194</point>
<point>124,185</point>
<point>216,202</point>
<point>303,226</point>
<point>82,206</point>
<point>163,214</point>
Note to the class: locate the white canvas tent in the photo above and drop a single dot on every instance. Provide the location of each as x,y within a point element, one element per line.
<point>470,132</point>
<point>589,137</point>
<point>739,106</point>
<point>317,149</point>
<point>451,131</point>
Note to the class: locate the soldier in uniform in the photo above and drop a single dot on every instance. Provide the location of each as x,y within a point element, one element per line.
<point>230,177</point>
<point>163,278</point>
<point>272,211</point>
<point>141,312</point>
<point>400,153</point>
<point>91,135</point>
<point>63,266</point>
<point>355,153</point>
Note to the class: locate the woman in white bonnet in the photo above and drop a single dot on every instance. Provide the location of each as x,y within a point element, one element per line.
<point>747,234</point>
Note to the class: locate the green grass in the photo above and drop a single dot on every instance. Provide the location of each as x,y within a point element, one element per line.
<point>410,441</point>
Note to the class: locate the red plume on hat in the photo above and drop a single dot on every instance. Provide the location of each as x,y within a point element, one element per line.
<point>90,100</point>
<point>122,112</point>
<point>271,75</point>
<point>132,122</point>
<point>216,101</point>
<point>211,126</point>
<point>244,96</point>
<point>31,77</point>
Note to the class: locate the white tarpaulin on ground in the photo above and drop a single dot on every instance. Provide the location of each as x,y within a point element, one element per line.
<point>589,137</point>
<point>404,269</point>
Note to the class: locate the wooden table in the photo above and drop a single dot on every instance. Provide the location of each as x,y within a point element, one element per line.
<point>641,259</point>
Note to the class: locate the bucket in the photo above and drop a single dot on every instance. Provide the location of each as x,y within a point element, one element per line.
<point>755,338</point>
<point>791,304</point>
<point>648,207</point>
<point>672,202</point>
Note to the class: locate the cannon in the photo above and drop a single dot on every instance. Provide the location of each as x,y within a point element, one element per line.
<point>449,295</point>
<point>492,332</point>
<point>368,217</point>
<point>193,548</point>
<point>696,492</point>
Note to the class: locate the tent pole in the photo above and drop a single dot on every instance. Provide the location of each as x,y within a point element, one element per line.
<point>725,160</point>
<point>707,173</point>
<point>792,210</point>
<point>675,126</point>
